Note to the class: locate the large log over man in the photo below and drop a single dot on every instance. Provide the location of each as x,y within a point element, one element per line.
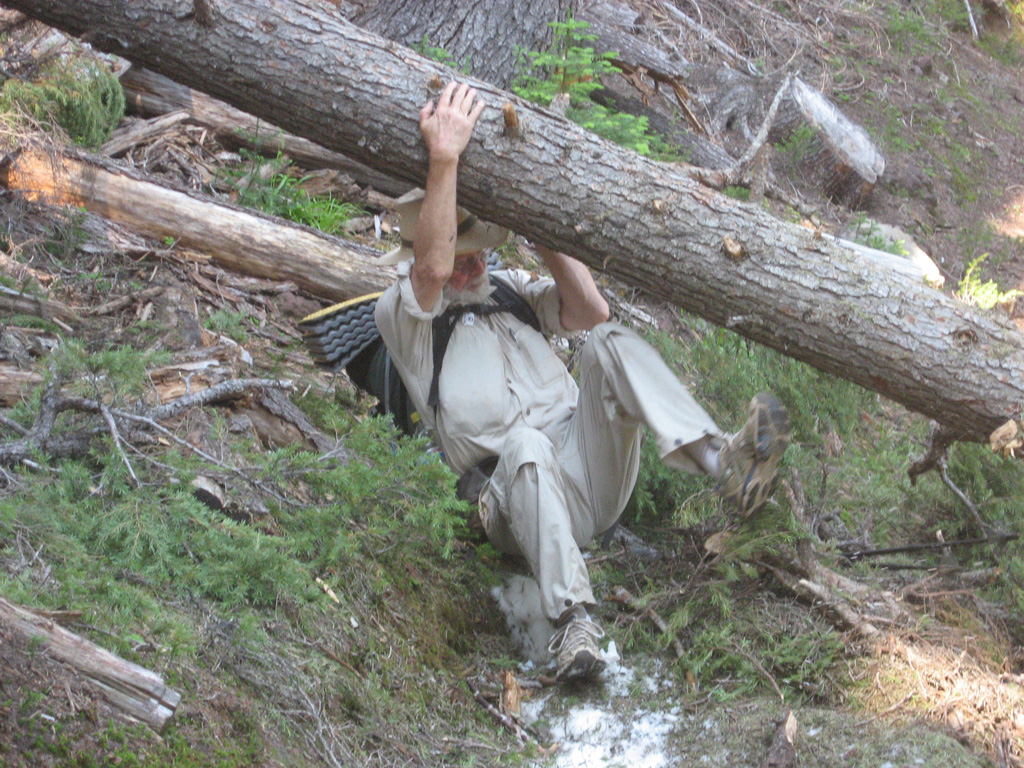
<point>564,457</point>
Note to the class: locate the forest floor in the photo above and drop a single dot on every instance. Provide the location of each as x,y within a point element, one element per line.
<point>424,635</point>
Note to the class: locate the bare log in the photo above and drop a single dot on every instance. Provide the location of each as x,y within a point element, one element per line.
<point>235,239</point>
<point>647,223</point>
<point>152,94</point>
<point>135,690</point>
<point>126,137</point>
<point>16,385</point>
<point>186,378</point>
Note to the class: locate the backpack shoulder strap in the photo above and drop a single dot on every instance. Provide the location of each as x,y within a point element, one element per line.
<point>511,300</point>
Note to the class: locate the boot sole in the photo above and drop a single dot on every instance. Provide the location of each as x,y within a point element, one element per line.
<point>772,430</point>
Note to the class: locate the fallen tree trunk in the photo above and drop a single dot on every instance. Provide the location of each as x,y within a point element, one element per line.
<point>235,239</point>
<point>134,690</point>
<point>649,224</point>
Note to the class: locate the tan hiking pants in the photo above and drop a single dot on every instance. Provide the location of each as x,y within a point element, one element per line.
<point>546,500</point>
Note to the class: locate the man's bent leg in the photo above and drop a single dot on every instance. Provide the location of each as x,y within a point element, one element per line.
<point>631,375</point>
<point>625,383</point>
<point>527,514</point>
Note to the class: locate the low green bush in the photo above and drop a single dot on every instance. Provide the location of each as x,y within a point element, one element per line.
<point>81,96</point>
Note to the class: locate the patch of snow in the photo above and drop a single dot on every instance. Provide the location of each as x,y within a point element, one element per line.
<point>605,730</point>
<point>518,598</point>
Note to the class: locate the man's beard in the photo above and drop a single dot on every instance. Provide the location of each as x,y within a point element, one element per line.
<point>470,296</point>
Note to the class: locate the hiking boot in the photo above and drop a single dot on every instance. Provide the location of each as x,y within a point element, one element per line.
<point>750,458</point>
<point>575,646</point>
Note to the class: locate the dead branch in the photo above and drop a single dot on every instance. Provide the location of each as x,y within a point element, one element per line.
<point>506,721</point>
<point>712,40</point>
<point>116,437</point>
<point>623,595</point>
<point>736,173</point>
<point>40,438</point>
<point>21,303</point>
<point>121,302</point>
<point>999,538</point>
<point>939,441</point>
<point>760,668</point>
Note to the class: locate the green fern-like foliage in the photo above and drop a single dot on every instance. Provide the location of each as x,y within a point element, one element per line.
<point>574,68</point>
<point>82,97</point>
<point>569,67</point>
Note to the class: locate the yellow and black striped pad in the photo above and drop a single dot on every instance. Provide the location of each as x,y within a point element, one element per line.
<point>338,333</point>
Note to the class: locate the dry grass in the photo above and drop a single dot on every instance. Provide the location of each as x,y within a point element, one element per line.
<point>952,678</point>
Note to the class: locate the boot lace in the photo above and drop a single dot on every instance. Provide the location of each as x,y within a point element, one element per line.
<point>575,633</point>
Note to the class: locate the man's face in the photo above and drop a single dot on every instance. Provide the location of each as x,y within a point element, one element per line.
<point>470,282</point>
<point>468,269</point>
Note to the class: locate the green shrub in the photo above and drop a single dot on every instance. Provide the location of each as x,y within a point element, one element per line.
<point>82,97</point>
<point>571,67</point>
<point>982,294</point>
<point>281,194</point>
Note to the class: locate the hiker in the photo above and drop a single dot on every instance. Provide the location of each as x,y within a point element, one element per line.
<point>564,456</point>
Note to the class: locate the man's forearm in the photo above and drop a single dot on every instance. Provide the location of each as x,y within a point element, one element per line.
<point>582,305</point>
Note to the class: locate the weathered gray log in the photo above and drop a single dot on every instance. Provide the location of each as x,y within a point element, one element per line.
<point>235,239</point>
<point>149,93</point>
<point>133,689</point>
<point>649,224</point>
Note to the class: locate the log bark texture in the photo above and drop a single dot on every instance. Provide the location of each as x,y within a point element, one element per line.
<point>235,239</point>
<point>134,690</point>
<point>649,224</point>
<point>481,36</point>
<point>16,384</point>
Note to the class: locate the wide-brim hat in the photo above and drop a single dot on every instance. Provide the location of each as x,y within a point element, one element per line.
<point>472,234</point>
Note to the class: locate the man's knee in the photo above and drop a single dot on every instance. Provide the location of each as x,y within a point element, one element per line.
<point>603,337</point>
<point>526,446</point>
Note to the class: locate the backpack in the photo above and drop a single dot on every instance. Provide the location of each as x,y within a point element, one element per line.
<point>345,336</point>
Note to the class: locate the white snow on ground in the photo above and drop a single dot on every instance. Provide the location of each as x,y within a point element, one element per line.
<point>606,729</point>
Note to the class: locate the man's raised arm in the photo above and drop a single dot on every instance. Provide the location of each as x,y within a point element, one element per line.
<point>446,128</point>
